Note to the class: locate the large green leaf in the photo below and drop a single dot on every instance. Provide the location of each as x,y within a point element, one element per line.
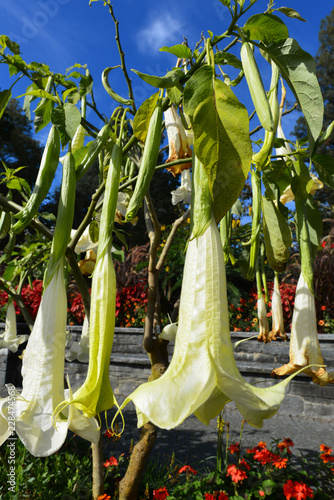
<point>143,116</point>
<point>324,165</point>
<point>277,235</point>
<point>195,90</point>
<point>67,119</point>
<point>266,27</point>
<point>221,142</point>
<point>298,69</point>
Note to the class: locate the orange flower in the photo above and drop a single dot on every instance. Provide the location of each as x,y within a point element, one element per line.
<point>286,443</point>
<point>278,461</point>
<point>325,449</point>
<point>321,322</point>
<point>326,457</point>
<point>104,497</point>
<point>236,474</point>
<point>323,308</point>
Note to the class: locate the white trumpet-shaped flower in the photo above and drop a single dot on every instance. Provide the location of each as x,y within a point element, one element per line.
<point>263,320</point>
<point>304,342</point>
<point>80,350</point>
<point>9,339</point>
<point>278,329</point>
<point>183,192</point>
<point>43,380</point>
<point>177,140</point>
<point>85,243</point>
<point>203,376</point>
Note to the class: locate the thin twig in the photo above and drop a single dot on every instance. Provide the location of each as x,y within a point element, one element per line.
<point>176,224</point>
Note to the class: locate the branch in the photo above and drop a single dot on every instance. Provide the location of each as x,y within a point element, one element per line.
<point>10,206</point>
<point>259,127</point>
<point>121,53</point>
<point>176,224</point>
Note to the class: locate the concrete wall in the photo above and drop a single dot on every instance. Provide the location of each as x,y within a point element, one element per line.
<point>129,367</point>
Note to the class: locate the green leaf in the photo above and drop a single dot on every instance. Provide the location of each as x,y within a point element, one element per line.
<point>47,216</point>
<point>277,235</point>
<point>43,114</point>
<point>5,41</point>
<point>175,95</point>
<point>227,58</point>
<point>41,93</point>
<point>94,231</point>
<point>196,88</point>
<point>171,79</point>
<point>276,178</point>
<point>180,50</point>
<point>298,69</point>
<point>266,27</point>
<point>68,92</point>
<point>66,118</point>
<point>221,142</point>
<point>5,96</point>
<point>324,165</point>
<point>111,92</point>
<point>143,116</point>
<point>27,101</point>
<point>85,85</point>
<point>291,13</point>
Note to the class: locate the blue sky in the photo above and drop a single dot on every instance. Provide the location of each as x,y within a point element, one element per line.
<point>63,32</point>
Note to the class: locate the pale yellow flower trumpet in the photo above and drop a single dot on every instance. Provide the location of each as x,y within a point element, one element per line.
<point>177,140</point>
<point>203,375</point>
<point>304,342</point>
<point>9,339</point>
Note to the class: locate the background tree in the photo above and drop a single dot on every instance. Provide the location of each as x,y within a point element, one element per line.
<point>17,146</point>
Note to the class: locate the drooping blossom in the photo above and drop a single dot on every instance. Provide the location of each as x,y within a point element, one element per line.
<point>177,141</point>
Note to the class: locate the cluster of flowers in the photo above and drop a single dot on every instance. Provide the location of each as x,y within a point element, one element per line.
<point>243,317</point>
<point>130,304</point>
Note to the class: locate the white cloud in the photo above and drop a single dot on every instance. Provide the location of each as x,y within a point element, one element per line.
<point>161,31</point>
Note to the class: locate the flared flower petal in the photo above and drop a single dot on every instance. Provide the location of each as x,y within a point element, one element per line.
<point>43,376</point>
<point>183,192</point>
<point>177,141</point>
<point>304,342</point>
<point>203,376</point>
<point>9,339</point>
<point>85,243</point>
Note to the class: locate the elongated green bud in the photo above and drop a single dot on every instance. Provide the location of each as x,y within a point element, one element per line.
<point>255,239</point>
<point>263,155</point>
<point>94,150</point>
<point>256,87</point>
<point>65,215</point>
<point>148,163</point>
<point>46,173</point>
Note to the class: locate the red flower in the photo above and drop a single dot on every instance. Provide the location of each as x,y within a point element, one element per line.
<point>221,496</point>
<point>278,461</point>
<point>286,443</point>
<point>244,463</point>
<point>188,469</point>
<point>111,462</point>
<point>261,493</point>
<point>234,448</point>
<point>104,497</point>
<point>263,456</point>
<point>323,308</point>
<point>160,493</point>
<point>294,489</point>
<point>236,474</point>
<point>288,489</point>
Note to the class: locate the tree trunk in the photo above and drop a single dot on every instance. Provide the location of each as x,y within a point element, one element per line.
<point>129,486</point>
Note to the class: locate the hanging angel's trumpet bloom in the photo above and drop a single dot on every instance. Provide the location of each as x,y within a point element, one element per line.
<point>304,342</point>
<point>183,192</point>
<point>9,339</point>
<point>80,350</point>
<point>289,196</point>
<point>85,243</point>
<point>177,141</point>
<point>96,394</point>
<point>263,320</point>
<point>43,380</point>
<point>203,376</point>
<point>278,329</point>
